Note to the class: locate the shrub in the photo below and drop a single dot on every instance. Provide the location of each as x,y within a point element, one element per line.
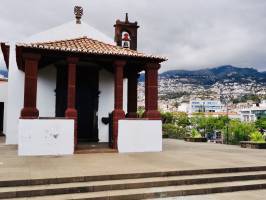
<point>173,131</point>
<point>238,131</point>
<point>169,130</point>
<point>181,119</point>
<point>256,136</point>
<point>195,133</point>
<point>168,118</point>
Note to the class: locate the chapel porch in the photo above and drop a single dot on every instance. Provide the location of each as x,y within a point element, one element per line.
<point>78,62</point>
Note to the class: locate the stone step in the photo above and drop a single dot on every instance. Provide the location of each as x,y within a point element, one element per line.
<point>8,183</point>
<point>160,192</point>
<point>124,184</point>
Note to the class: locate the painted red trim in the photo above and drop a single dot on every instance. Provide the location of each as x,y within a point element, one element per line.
<point>71,112</point>
<point>151,91</point>
<point>6,51</point>
<point>118,112</point>
<point>29,110</point>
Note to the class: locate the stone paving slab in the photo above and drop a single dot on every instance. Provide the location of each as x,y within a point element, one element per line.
<point>176,155</point>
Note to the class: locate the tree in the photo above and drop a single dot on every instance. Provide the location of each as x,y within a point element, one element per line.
<point>181,119</point>
<point>261,123</point>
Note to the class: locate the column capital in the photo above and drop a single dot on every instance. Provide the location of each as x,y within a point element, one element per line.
<point>31,56</point>
<point>72,60</point>
<point>153,66</point>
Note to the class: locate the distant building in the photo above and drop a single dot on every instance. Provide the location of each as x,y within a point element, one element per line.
<point>253,113</point>
<point>205,106</point>
<point>231,115</point>
<point>183,107</point>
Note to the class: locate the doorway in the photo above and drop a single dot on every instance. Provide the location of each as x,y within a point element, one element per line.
<point>87,97</point>
<point>1,117</point>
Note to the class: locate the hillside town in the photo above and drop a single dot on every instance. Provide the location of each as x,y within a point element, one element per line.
<point>177,96</point>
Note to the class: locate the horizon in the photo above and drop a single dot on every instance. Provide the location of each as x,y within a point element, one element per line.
<point>204,68</point>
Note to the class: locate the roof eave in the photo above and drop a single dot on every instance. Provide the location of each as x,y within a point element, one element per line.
<point>6,51</point>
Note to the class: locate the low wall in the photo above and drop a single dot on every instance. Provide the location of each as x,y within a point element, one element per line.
<point>139,136</point>
<point>45,137</point>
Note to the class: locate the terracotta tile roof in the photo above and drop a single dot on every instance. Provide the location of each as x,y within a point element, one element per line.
<point>89,46</point>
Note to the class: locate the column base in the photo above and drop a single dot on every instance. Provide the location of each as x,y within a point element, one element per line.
<point>132,115</point>
<point>29,113</point>
<point>152,114</point>
<point>117,115</point>
<point>71,113</point>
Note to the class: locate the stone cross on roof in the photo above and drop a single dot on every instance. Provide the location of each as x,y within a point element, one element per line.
<point>78,11</point>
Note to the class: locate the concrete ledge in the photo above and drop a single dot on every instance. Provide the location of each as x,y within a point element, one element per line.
<point>253,145</point>
<point>190,139</point>
<point>45,137</point>
<point>139,136</point>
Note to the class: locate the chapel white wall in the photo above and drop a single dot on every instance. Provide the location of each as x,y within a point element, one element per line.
<point>106,101</point>
<point>15,98</point>
<point>139,136</point>
<point>3,98</point>
<point>46,137</point>
<point>46,86</point>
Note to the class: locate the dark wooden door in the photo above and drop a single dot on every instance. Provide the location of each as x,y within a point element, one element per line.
<point>87,104</point>
<point>1,117</point>
<point>61,91</point>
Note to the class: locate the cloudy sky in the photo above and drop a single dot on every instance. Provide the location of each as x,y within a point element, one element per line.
<point>191,33</point>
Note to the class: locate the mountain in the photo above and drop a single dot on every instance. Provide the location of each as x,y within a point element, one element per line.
<point>3,73</point>
<point>210,76</point>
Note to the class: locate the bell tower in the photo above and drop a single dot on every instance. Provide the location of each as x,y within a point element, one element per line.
<point>126,33</point>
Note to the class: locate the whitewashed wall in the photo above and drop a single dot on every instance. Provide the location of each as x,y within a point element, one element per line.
<point>3,91</point>
<point>46,91</point>
<point>106,102</point>
<point>45,137</point>
<point>46,85</point>
<point>3,98</point>
<point>15,98</point>
<point>139,136</point>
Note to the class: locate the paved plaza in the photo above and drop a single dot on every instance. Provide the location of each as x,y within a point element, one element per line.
<point>176,155</point>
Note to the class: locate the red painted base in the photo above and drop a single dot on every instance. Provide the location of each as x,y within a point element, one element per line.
<point>152,114</point>
<point>29,113</point>
<point>132,115</point>
<point>117,115</point>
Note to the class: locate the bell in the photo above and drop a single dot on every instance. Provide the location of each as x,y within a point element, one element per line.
<point>125,44</point>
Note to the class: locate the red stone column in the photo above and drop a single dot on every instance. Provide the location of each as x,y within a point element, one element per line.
<point>29,110</point>
<point>118,112</point>
<point>132,94</point>
<point>71,112</point>
<point>151,91</point>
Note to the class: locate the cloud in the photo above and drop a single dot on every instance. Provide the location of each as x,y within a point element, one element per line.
<point>191,33</point>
